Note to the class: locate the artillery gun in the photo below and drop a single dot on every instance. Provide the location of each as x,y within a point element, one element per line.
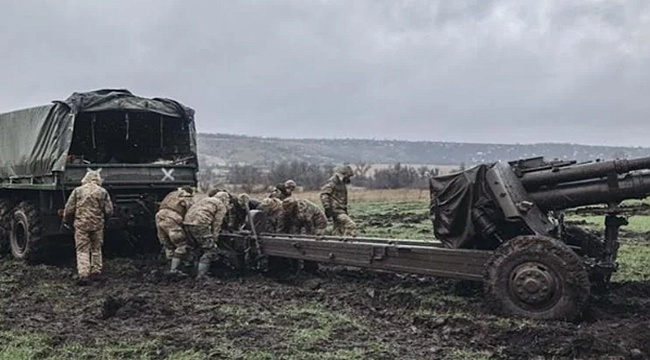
<point>501,223</point>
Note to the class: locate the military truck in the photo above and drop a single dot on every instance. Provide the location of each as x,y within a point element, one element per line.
<point>142,147</point>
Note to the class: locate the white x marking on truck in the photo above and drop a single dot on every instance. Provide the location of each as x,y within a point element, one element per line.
<point>168,174</point>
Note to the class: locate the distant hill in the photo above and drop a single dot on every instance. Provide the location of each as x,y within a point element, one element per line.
<point>223,150</point>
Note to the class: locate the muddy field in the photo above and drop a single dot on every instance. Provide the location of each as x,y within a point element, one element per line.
<point>138,312</point>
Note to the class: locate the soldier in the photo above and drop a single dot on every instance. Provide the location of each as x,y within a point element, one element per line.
<point>272,207</point>
<point>90,205</point>
<point>290,186</point>
<point>283,191</point>
<point>169,219</point>
<point>304,217</point>
<point>334,196</point>
<point>203,224</point>
<point>237,211</point>
<point>279,191</point>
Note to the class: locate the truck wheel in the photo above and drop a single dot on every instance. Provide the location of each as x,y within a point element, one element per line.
<point>536,277</point>
<point>5,228</point>
<point>25,236</point>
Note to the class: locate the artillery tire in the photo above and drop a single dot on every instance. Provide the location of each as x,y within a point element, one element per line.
<point>536,277</point>
<point>5,228</point>
<point>25,236</point>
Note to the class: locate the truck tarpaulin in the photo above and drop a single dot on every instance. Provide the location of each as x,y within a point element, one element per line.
<point>35,141</point>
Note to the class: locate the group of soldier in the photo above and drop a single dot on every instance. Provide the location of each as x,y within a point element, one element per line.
<point>189,222</point>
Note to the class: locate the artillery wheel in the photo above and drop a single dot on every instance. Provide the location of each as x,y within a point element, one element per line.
<point>5,209</point>
<point>536,277</point>
<point>25,237</point>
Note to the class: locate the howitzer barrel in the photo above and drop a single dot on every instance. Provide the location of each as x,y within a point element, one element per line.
<point>536,179</point>
<point>602,191</point>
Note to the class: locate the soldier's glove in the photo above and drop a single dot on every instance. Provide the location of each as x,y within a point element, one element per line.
<point>66,225</point>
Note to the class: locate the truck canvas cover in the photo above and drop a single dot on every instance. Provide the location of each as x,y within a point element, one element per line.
<point>35,141</point>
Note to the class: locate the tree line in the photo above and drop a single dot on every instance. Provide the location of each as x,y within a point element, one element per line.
<point>312,176</point>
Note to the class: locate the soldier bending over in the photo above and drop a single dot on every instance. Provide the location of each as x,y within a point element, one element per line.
<point>304,216</point>
<point>334,196</point>
<point>169,219</point>
<point>203,223</point>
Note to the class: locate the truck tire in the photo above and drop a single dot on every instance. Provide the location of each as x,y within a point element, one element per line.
<point>536,277</point>
<point>5,228</point>
<point>25,237</point>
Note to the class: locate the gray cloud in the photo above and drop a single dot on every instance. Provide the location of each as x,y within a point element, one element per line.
<point>477,71</point>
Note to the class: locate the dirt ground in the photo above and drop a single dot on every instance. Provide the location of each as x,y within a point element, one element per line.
<point>349,313</point>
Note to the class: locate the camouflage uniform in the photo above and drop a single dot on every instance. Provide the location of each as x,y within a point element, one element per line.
<point>334,196</point>
<point>303,216</point>
<point>169,220</point>
<point>235,217</point>
<point>311,218</point>
<point>89,204</point>
<point>289,187</point>
<point>279,192</point>
<point>203,223</point>
<point>272,207</point>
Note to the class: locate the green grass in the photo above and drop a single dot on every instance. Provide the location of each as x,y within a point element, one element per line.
<point>461,354</point>
<point>18,346</point>
<point>395,219</point>
<point>634,262</point>
<point>317,325</point>
<point>637,223</point>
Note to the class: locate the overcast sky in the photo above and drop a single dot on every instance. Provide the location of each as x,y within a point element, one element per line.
<point>472,71</point>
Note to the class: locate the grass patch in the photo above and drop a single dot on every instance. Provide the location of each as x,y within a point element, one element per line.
<point>460,354</point>
<point>634,262</point>
<point>317,325</point>
<point>22,347</point>
<point>26,346</point>
<point>637,223</point>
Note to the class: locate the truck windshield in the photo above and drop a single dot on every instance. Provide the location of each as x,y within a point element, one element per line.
<point>129,137</point>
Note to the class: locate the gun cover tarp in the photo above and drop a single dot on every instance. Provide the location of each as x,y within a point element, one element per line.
<point>35,141</point>
<point>452,198</point>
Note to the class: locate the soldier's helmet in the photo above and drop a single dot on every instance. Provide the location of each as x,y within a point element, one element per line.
<point>345,171</point>
<point>213,192</point>
<point>188,189</point>
<point>290,185</point>
<point>244,199</point>
<point>270,204</point>
<point>302,206</point>
<point>223,196</point>
<point>185,191</point>
<point>91,177</point>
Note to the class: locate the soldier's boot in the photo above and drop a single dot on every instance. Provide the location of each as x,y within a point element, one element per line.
<point>203,269</point>
<point>176,263</point>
